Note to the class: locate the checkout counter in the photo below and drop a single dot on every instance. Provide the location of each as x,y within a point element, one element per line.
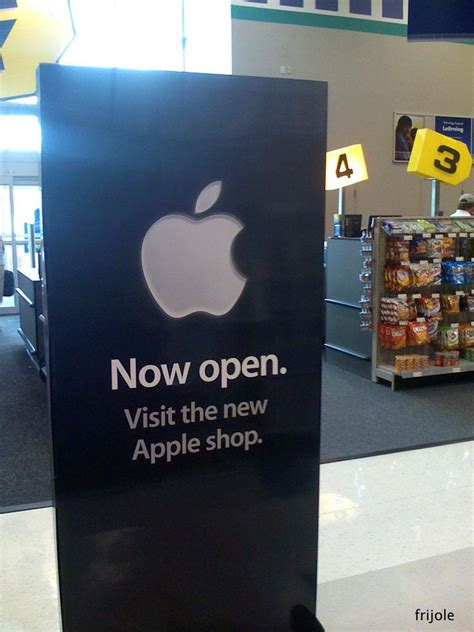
<point>346,345</point>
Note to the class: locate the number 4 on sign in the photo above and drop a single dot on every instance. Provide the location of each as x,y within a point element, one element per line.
<point>345,166</point>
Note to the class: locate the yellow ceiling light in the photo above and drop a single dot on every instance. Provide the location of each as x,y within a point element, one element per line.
<point>31,32</point>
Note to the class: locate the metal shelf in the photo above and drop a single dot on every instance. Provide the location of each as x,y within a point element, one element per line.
<point>381,367</point>
<point>384,370</point>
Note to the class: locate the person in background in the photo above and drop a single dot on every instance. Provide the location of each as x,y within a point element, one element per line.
<point>403,139</point>
<point>413,132</point>
<point>465,206</point>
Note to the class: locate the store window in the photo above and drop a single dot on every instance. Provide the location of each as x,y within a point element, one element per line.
<point>175,35</point>
<point>362,7</point>
<point>327,5</point>
<point>150,35</point>
<point>144,34</point>
<point>208,36</point>
<point>20,133</point>
<point>392,9</point>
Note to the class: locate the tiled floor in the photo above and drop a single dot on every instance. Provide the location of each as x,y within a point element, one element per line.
<point>28,577</point>
<point>395,535</point>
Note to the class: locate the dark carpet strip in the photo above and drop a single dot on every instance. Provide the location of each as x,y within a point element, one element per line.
<point>359,419</point>
<point>25,474</point>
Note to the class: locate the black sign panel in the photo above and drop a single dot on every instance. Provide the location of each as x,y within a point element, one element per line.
<point>183,223</point>
<point>440,20</point>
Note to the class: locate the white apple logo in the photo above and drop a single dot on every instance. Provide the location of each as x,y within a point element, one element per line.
<point>187,262</point>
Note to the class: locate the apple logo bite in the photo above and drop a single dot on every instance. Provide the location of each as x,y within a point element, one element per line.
<point>187,263</point>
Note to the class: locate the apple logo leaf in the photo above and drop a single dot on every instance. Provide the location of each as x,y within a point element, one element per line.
<point>208,196</point>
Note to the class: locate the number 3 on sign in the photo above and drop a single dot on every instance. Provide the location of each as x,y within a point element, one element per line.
<point>450,163</point>
<point>437,156</point>
<point>345,166</point>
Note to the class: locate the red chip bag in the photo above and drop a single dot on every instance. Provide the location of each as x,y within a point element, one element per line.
<point>417,334</point>
<point>397,335</point>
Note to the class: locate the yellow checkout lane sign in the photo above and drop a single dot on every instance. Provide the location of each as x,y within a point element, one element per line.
<point>345,166</point>
<point>31,32</point>
<point>439,157</point>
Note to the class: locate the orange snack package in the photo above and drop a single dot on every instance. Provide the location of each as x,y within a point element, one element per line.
<point>417,334</point>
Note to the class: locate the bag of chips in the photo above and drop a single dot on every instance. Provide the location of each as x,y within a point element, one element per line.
<point>466,335</point>
<point>397,278</point>
<point>392,336</point>
<point>469,302</point>
<point>397,251</point>
<point>453,272</point>
<point>393,310</point>
<point>433,328</point>
<point>419,247</point>
<point>448,337</point>
<point>429,307</point>
<point>417,334</point>
<point>468,354</point>
<point>469,272</point>
<point>448,247</point>
<point>450,303</point>
<point>420,274</point>
<point>435,270</point>
<point>435,248</point>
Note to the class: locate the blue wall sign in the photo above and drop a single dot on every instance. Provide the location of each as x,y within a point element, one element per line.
<point>456,127</point>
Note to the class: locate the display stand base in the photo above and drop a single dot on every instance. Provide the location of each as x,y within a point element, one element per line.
<point>302,620</point>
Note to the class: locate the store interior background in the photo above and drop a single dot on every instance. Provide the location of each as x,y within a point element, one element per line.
<point>388,523</point>
<point>370,76</point>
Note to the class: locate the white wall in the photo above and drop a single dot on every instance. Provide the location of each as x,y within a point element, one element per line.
<point>370,76</point>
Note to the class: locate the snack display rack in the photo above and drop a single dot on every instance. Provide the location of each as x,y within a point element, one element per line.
<point>422,297</point>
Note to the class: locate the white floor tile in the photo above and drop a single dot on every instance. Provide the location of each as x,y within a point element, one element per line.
<point>393,509</point>
<point>401,475</point>
<point>394,533</point>
<point>28,577</point>
<point>387,600</point>
<point>377,515</point>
